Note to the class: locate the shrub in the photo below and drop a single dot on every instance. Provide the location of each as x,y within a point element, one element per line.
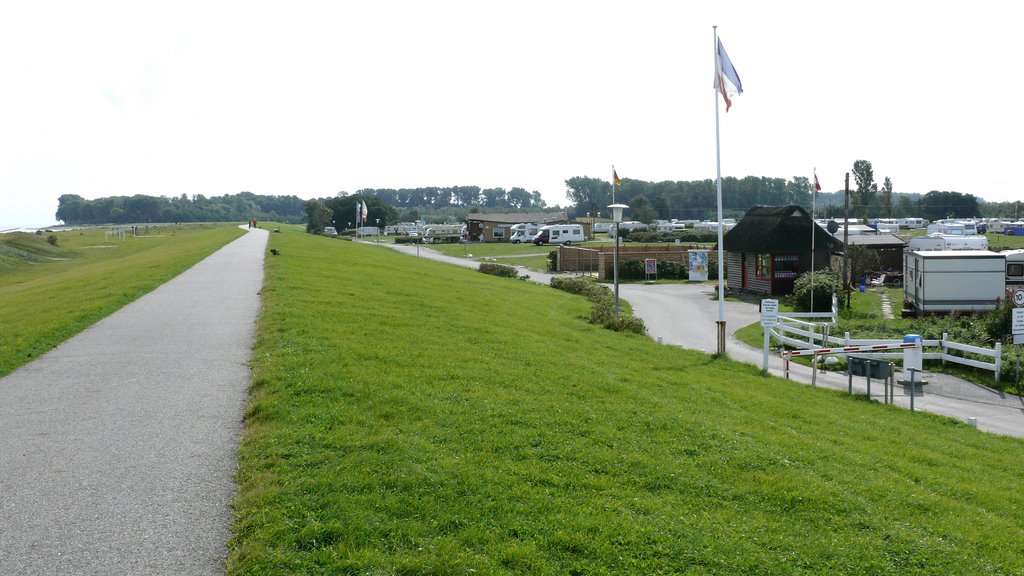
<point>582,285</point>
<point>408,240</point>
<point>52,239</point>
<point>998,323</point>
<point>825,284</point>
<point>553,261</point>
<point>634,269</point>
<point>603,311</point>
<point>501,270</point>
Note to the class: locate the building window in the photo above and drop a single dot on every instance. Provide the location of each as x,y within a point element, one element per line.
<point>498,233</point>
<point>763,265</point>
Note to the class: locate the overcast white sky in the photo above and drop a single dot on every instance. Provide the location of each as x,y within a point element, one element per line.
<point>311,98</point>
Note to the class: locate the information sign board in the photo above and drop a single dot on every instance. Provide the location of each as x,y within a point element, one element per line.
<point>769,312</point>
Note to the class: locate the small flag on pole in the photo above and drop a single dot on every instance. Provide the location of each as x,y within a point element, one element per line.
<point>728,80</point>
<point>817,186</point>
<point>615,177</point>
<point>364,211</point>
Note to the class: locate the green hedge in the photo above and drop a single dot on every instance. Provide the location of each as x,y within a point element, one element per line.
<point>408,240</point>
<point>502,270</point>
<point>653,237</point>
<point>634,269</point>
<point>603,312</point>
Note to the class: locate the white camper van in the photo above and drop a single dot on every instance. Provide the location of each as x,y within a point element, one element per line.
<point>523,233</point>
<point>559,234</point>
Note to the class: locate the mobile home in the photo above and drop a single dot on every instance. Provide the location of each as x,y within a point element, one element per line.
<point>912,223</point>
<point>1014,268</point>
<point>523,233</point>
<point>948,242</point>
<point>671,227</point>
<point>559,234</point>
<point>953,280</point>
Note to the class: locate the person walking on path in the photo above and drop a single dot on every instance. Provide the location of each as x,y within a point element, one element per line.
<point>119,446</point>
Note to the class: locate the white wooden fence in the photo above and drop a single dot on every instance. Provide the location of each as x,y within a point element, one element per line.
<point>794,331</point>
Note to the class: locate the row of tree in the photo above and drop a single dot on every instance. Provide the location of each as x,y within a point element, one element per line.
<point>698,199</point>
<point>344,212</point>
<point>75,210</point>
<point>464,196</point>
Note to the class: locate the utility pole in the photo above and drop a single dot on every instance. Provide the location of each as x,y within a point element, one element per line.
<point>846,239</point>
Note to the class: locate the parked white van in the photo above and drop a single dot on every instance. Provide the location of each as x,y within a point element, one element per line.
<point>523,233</point>
<point>559,234</point>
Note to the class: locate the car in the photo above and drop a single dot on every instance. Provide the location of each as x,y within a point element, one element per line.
<point>330,231</point>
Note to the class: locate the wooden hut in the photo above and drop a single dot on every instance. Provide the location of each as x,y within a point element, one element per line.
<point>771,246</point>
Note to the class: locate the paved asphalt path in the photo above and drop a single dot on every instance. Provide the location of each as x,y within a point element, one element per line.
<point>117,448</point>
<point>684,315</point>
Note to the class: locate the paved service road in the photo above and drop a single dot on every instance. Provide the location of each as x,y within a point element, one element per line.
<point>686,314</point>
<point>117,448</point>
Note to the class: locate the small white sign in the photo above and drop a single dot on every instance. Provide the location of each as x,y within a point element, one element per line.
<point>1018,298</point>
<point>769,312</point>
<point>1018,321</point>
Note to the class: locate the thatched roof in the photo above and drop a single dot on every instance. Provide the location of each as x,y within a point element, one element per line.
<point>774,229</point>
<point>517,217</point>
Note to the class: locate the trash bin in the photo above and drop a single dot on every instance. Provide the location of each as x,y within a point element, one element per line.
<point>861,287</point>
<point>878,369</point>
<point>855,366</point>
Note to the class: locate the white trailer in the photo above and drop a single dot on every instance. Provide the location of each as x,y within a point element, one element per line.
<point>1014,269</point>
<point>948,242</point>
<point>671,227</point>
<point>953,280</point>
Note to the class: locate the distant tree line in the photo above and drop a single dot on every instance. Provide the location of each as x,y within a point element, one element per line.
<point>698,199</point>
<point>514,199</point>
<point>684,200</point>
<point>75,210</point>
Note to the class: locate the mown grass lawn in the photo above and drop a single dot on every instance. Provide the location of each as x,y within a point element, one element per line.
<point>409,417</point>
<point>490,249</point>
<point>50,293</point>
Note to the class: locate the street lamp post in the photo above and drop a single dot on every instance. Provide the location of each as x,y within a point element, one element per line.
<point>378,230</point>
<point>617,218</point>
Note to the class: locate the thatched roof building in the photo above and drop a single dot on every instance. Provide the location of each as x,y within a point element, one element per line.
<point>771,246</point>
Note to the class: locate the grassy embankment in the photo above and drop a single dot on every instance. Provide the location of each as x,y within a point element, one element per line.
<point>51,293</point>
<point>409,417</point>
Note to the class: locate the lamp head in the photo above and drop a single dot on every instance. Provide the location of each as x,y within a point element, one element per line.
<point>617,211</point>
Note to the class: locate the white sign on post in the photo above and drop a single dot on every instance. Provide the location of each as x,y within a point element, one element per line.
<point>769,318</point>
<point>1018,326</point>
<point>769,313</point>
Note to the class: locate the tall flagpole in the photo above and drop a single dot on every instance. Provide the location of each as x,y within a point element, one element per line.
<point>814,224</point>
<point>718,180</point>
<point>614,173</point>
